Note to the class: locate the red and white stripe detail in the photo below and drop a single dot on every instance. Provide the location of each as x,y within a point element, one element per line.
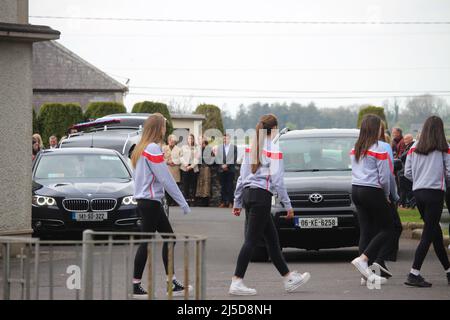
<point>273,155</point>
<point>155,158</point>
<point>375,154</point>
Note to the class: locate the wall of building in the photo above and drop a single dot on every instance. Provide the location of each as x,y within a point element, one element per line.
<point>194,126</point>
<point>15,130</point>
<point>39,98</point>
<point>14,11</point>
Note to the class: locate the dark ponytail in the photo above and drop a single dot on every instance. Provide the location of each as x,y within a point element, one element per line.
<point>265,125</point>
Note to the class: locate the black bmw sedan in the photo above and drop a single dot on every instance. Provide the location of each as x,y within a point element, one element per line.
<point>82,188</point>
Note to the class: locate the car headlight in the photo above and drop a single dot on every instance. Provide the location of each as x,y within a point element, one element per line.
<point>41,201</point>
<point>127,201</point>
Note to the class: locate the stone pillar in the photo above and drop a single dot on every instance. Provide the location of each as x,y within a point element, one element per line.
<point>16,42</point>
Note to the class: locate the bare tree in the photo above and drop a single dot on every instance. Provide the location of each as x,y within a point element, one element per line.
<point>419,108</point>
<point>181,106</point>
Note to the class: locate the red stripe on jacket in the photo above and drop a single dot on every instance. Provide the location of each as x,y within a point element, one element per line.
<point>155,158</point>
<point>377,155</point>
<point>273,155</point>
<point>411,150</point>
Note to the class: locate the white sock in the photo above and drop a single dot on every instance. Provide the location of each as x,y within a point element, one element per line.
<point>415,272</point>
<point>136,281</point>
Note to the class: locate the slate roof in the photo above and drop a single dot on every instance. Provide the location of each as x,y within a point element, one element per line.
<point>56,68</point>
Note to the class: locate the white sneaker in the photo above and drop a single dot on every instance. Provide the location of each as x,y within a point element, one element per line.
<point>362,267</point>
<point>374,278</point>
<point>294,280</point>
<point>238,288</point>
<point>363,282</point>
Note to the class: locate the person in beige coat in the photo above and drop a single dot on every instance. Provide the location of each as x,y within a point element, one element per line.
<point>172,156</point>
<point>190,159</point>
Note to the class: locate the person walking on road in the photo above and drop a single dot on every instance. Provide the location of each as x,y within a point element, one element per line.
<point>262,174</point>
<point>394,200</point>
<point>151,178</point>
<point>371,178</point>
<point>428,167</point>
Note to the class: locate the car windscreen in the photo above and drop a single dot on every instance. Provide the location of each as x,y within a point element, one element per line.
<point>317,153</point>
<point>63,166</point>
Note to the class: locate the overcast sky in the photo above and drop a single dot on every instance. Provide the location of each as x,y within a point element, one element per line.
<point>262,60</point>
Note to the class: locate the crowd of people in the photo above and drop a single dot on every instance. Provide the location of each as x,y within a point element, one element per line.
<point>38,144</point>
<point>378,189</point>
<point>374,192</point>
<point>190,165</point>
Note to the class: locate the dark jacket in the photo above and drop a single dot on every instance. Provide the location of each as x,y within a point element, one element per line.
<point>230,159</point>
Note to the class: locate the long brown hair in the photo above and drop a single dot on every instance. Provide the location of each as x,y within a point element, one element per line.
<point>265,125</point>
<point>382,133</point>
<point>368,135</point>
<point>154,131</point>
<point>432,137</point>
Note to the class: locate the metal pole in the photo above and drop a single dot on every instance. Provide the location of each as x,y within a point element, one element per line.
<point>170,271</point>
<point>151,270</point>
<point>186,270</point>
<point>6,272</point>
<point>87,266</point>
<point>102,267</point>
<point>22,274</point>
<point>77,261</point>
<point>129,284</point>
<point>110,269</point>
<point>50,266</point>
<point>203,272</point>
<point>36,268</point>
<point>197,270</point>
<point>27,271</point>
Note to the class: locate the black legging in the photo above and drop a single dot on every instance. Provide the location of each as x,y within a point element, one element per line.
<point>154,219</point>
<point>376,222</point>
<point>257,204</point>
<point>430,204</point>
<point>447,202</point>
<point>398,229</point>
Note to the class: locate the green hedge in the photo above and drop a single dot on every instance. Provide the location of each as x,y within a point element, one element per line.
<point>35,123</point>
<point>56,118</point>
<point>100,109</point>
<point>154,107</point>
<point>213,117</point>
<point>379,111</point>
<point>136,107</point>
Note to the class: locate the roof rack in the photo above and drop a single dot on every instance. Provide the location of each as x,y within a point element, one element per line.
<point>94,123</point>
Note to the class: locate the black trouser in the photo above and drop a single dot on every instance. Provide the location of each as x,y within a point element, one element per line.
<point>398,229</point>
<point>405,191</point>
<point>189,179</point>
<point>154,219</point>
<point>447,202</point>
<point>430,204</point>
<point>257,204</point>
<point>227,186</point>
<point>375,222</point>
